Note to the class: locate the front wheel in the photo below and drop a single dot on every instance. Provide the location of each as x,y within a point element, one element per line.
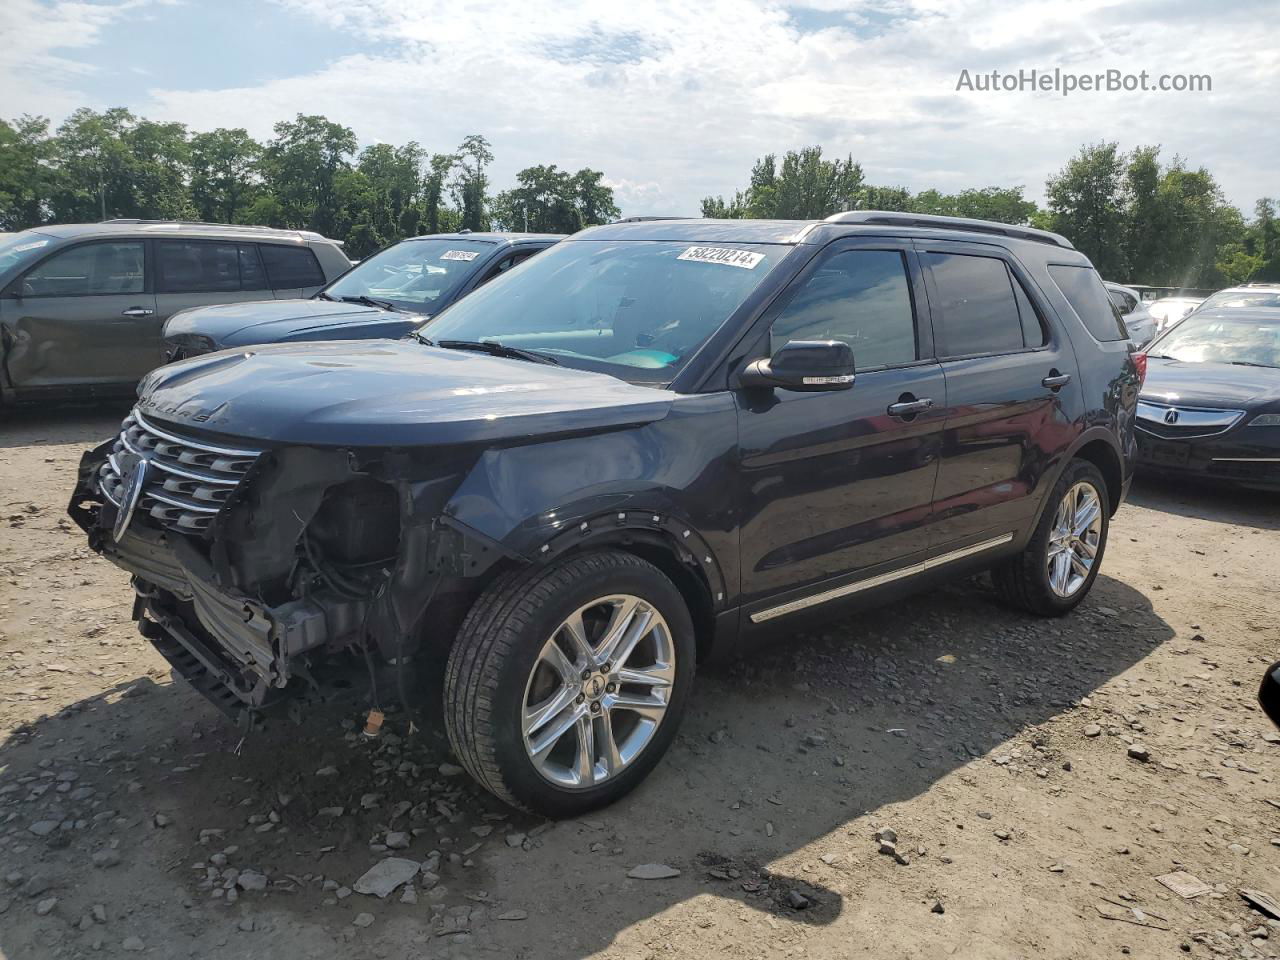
<point>566,684</point>
<point>1057,568</point>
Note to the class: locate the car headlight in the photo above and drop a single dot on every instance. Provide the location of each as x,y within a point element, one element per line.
<point>1266,420</point>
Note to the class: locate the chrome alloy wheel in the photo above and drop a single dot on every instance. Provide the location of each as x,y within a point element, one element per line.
<point>1074,539</point>
<point>598,691</point>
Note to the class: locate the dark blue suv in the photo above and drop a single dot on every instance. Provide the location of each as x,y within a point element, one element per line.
<point>648,446</point>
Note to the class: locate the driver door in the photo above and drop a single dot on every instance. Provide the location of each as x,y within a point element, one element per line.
<point>839,485</point>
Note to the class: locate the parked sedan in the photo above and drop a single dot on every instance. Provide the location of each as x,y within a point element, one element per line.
<point>1170,310</point>
<point>1211,404</point>
<point>385,296</point>
<point>1137,319</point>
<point>82,305</point>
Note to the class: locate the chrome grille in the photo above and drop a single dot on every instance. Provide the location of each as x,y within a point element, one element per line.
<point>1177,423</point>
<point>190,479</point>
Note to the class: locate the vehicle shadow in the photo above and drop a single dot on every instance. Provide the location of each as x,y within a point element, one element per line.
<point>33,425</point>
<point>1203,500</point>
<point>779,754</point>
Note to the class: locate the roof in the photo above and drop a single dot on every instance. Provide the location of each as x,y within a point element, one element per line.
<point>184,228</point>
<point>703,230</point>
<point>490,236</point>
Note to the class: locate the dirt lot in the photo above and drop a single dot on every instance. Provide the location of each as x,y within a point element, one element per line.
<point>996,746</point>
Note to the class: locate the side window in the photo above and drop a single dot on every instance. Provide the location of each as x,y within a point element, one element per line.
<point>976,303</point>
<point>88,269</point>
<point>252,276</point>
<point>190,266</point>
<point>862,297</point>
<point>1032,326</point>
<point>502,266</point>
<point>1088,298</point>
<point>291,267</point>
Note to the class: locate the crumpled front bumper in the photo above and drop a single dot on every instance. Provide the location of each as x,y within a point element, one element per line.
<point>242,654</point>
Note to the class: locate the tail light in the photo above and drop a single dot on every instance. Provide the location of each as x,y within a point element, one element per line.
<point>1140,364</point>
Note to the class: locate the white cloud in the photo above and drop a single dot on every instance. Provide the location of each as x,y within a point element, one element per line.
<point>675,100</point>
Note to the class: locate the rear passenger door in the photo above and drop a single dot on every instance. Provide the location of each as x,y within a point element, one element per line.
<point>193,273</point>
<point>292,271</point>
<point>1012,393</point>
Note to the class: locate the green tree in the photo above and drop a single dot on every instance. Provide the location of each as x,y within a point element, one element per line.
<point>550,200</point>
<point>27,180</point>
<point>301,167</point>
<point>1001,204</point>
<point>470,185</point>
<point>594,198</point>
<point>805,186</point>
<point>224,174</point>
<point>1086,205</point>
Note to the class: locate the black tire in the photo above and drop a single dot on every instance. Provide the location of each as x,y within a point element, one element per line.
<point>1023,581</point>
<point>494,655</point>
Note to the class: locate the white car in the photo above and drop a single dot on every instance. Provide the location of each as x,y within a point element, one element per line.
<point>1137,318</point>
<point>1169,310</point>
<point>1245,295</point>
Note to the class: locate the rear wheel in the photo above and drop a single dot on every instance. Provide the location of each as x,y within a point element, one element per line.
<point>566,684</point>
<point>1058,567</point>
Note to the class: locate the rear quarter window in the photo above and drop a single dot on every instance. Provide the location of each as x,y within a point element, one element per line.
<point>1084,291</point>
<point>291,266</point>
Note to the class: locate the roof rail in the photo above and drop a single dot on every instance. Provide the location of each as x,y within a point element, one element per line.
<point>646,219</point>
<point>311,234</point>
<point>930,222</point>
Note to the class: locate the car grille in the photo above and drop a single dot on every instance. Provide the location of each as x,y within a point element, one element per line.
<point>189,479</point>
<point>1183,423</point>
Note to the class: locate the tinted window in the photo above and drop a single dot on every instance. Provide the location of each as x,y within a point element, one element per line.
<point>862,297</point>
<point>976,303</point>
<point>291,267</point>
<point>1088,298</point>
<point>1032,327</point>
<point>252,276</point>
<point>188,266</point>
<point>1124,303</point>
<point>91,268</point>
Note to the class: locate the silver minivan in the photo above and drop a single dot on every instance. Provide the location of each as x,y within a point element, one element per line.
<point>83,306</point>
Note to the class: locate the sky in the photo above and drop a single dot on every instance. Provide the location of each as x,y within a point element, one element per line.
<point>675,101</point>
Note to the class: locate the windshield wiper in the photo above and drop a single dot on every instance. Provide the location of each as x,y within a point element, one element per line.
<point>421,339</point>
<point>324,296</point>
<point>369,302</point>
<point>1250,363</point>
<point>496,349</point>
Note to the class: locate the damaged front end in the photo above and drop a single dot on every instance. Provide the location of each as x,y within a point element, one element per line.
<point>252,566</point>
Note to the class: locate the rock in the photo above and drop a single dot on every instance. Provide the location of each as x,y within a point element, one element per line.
<point>99,913</point>
<point>42,828</point>
<point>516,839</point>
<point>36,886</point>
<point>342,893</point>
<point>653,871</point>
<point>797,901</point>
<point>937,907</point>
<point>397,840</point>
<point>814,740</point>
<point>1092,730</point>
<point>1139,752</point>
<point>133,944</point>
<point>327,772</point>
<point>514,915</point>
<point>44,907</point>
<point>251,880</point>
<point>984,814</point>
<point>383,877</point>
<point>1184,884</point>
<point>887,834</point>
<point>363,920</point>
<point>408,894</point>
<point>1001,834</point>
<point>162,820</point>
<point>106,857</point>
<point>246,925</point>
<point>450,770</point>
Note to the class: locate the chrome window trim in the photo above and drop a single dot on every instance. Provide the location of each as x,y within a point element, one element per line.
<point>859,585</point>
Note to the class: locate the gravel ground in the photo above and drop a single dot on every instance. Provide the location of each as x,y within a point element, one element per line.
<point>943,777</point>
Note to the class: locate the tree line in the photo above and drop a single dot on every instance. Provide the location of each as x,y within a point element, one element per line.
<point>1139,219</point>
<point>309,175</point>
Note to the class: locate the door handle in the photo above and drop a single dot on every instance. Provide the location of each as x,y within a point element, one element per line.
<point>909,408</point>
<point>1055,380</point>
<point>136,312</point>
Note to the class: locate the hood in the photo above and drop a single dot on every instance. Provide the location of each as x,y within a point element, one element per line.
<point>268,321</point>
<point>1210,384</point>
<point>388,393</point>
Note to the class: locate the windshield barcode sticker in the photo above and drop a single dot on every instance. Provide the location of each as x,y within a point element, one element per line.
<point>467,255</point>
<point>732,258</point>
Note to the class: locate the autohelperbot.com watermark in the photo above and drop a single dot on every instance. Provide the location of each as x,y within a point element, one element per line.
<point>1066,82</point>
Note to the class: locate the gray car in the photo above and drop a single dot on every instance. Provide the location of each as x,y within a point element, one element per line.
<point>83,306</point>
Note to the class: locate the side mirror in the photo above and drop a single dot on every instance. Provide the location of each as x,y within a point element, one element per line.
<point>809,366</point>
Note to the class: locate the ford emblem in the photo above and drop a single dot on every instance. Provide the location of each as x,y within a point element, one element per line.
<point>134,484</point>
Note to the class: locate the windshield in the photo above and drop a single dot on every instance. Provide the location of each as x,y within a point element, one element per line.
<point>20,249</point>
<point>637,309</point>
<point>1243,298</point>
<point>412,275</point>
<point>1202,338</point>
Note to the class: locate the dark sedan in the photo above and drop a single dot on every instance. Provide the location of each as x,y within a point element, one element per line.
<point>385,296</point>
<point>1211,404</point>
